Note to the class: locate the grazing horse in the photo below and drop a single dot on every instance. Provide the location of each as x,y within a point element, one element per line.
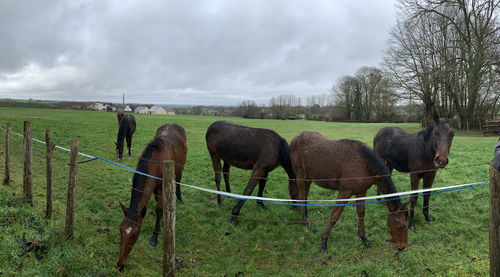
<point>126,130</point>
<point>350,167</point>
<point>421,154</point>
<point>168,144</point>
<point>260,150</point>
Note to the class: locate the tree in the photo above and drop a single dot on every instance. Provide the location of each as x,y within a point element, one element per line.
<point>248,109</point>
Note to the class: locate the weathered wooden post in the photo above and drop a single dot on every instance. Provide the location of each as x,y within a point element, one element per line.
<point>6,180</point>
<point>28,164</point>
<point>50,145</point>
<point>494,222</point>
<point>70,203</point>
<point>168,197</point>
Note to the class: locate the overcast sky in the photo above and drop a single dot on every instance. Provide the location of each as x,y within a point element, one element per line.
<point>186,52</point>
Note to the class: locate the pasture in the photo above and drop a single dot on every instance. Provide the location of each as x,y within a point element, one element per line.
<point>266,242</point>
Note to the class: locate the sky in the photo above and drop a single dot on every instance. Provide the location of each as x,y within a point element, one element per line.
<point>205,52</point>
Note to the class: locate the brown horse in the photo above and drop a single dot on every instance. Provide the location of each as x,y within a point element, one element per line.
<point>168,144</point>
<point>350,167</point>
<point>422,153</point>
<point>260,150</point>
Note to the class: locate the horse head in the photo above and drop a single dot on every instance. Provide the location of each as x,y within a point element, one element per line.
<point>442,136</point>
<point>119,151</point>
<point>398,226</point>
<point>129,233</point>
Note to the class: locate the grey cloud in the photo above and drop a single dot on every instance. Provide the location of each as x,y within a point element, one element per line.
<point>193,52</point>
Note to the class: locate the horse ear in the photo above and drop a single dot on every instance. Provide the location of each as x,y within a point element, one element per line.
<point>454,121</point>
<point>435,116</point>
<point>124,209</point>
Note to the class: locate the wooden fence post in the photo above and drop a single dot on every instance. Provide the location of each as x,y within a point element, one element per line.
<point>494,222</point>
<point>28,164</point>
<point>50,145</point>
<point>168,198</point>
<point>70,203</point>
<point>6,180</point>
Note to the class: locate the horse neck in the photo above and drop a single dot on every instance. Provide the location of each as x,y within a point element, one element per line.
<point>426,136</point>
<point>121,133</point>
<point>387,187</point>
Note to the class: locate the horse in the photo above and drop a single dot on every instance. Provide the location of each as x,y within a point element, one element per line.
<point>119,116</point>
<point>169,143</point>
<point>421,154</point>
<point>350,167</point>
<point>126,130</point>
<point>261,150</point>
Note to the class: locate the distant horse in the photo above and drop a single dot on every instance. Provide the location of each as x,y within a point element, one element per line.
<point>260,150</point>
<point>126,130</point>
<point>350,167</point>
<point>425,151</point>
<point>119,115</point>
<point>168,144</point>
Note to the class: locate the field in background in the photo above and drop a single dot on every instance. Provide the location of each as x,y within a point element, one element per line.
<point>206,243</point>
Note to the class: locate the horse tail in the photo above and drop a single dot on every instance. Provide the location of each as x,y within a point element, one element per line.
<point>286,163</point>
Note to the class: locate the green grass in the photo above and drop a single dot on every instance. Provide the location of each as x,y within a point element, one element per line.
<point>206,243</point>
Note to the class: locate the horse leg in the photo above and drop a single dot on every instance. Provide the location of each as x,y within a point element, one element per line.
<point>414,186</point>
<point>178,178</point>
<point>360,210</point>
<point>159,214</point>
<point>129,143</point>
<point>216,166</point>
<point>428,180</point>
<point>334,217</point>
<point>262,185</point>
<point>302,195</point>
<point>225,171</point>
<point>248,190</point>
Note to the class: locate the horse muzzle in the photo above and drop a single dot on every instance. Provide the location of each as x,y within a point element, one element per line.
<point>440,163</point>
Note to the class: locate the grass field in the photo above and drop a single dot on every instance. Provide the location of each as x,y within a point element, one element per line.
<point>206,243</point>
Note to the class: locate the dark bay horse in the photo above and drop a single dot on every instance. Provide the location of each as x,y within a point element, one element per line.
<point>425,151</point>
<point>126,130</point>
<point>260,150</point>
<point>350,167</point>
<point>168,144</point>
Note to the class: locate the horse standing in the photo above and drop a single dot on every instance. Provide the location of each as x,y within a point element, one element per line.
<point>168,144</point>
<point>260,150</point>
<point>350,167</point>
<point>421,154</point>
<point>126,130</point>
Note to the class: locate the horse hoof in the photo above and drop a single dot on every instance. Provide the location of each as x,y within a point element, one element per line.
<point>180,201</point>
<point>323,248</point>
<point>367,243</point>
<point>153,242</point>
<point>411,227</point>
<point>429,222</point>
<point>261,205</point>
<point>234,221</point>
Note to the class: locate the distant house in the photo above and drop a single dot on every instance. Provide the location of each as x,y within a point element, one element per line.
<point>157,110</point>
<point>142,110</point>
<point>170,111</point>
<point>110,108</point>
<point>99,106</point>
<point>127,109</point>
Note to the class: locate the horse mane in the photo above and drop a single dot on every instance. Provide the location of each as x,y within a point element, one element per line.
<point>376,166</point>
<point>138,181</point>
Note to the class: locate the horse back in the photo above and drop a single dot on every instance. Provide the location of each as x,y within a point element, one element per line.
<point>243,146</point>
<point>315,156</point>
<point>174,144</point>
<point>394,146</point>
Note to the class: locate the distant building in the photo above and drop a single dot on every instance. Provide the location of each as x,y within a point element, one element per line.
<point>127,109</point>
<point>157,110</point>
<point>99,106</point>
<point>141,110</point>
<point>110,108</point>
<point>170,111</point>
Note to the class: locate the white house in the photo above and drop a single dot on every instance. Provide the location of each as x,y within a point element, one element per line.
<point>127,109</point>
<point>99,106</point>
<point>157,110</point>
<point>142,110</point>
